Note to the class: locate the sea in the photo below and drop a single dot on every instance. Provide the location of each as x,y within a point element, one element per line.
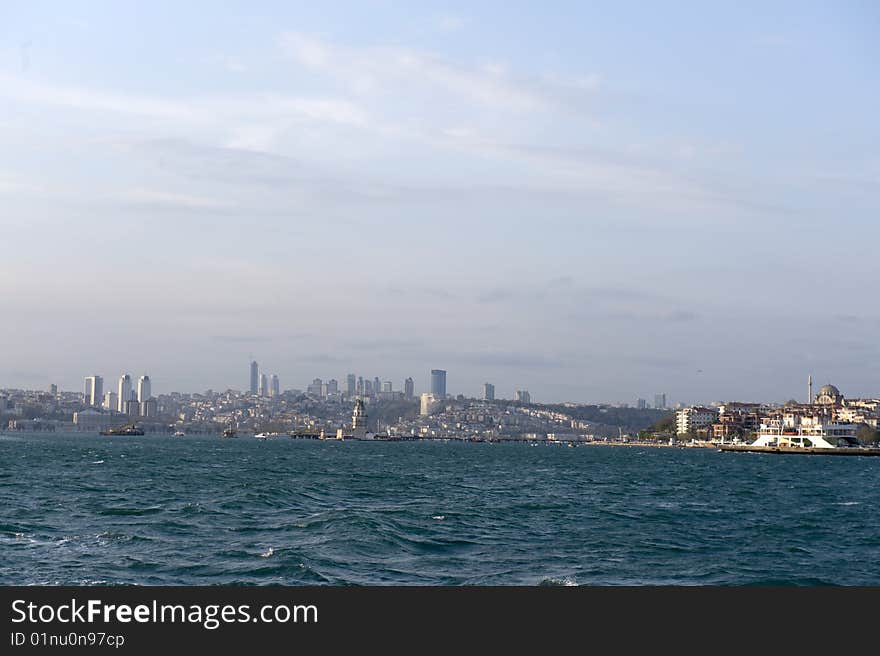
<point>160,510</point>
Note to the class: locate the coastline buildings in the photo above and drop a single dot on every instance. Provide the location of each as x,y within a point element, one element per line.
<point>737,420</point>
<point>438,383</point>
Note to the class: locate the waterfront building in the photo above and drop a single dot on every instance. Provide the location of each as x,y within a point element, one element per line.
<point>124,393</point>
<point>523,396</point>
<point>93,390</point>
<point>689,420</point>
<point>488,392</point>
<point>438,383</point>
<point>409,388</point>
<point>144,390</point>
<point>255,377</point>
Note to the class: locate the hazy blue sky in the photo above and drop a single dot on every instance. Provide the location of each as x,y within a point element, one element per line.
<point>591,201</point>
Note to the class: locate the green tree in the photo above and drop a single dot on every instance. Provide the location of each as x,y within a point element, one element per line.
<point>868,435</point>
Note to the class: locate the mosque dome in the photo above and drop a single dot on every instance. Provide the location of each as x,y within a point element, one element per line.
<point>829,395</point>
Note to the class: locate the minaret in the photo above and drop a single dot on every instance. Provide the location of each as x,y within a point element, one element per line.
<point>810,389</point>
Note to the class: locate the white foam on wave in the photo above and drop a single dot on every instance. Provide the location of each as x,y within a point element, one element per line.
<point>97,462</point>
<point>439,518</point>
<point>848,503</point>
<point>267,554</point>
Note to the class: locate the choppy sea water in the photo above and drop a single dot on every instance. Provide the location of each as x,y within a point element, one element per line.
<point>203,510</point>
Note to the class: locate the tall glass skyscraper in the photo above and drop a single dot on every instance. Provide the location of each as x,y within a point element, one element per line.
<point>255,377</point>
<point>438,383</point>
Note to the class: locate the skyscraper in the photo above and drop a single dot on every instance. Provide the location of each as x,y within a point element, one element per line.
<point>523,396</point>
<point>360,390</point>
<point>93,390</point>
<point>124,393</point>
<point>255,377</point>
<point>350,382</point>
<point>264,386</point>
<point>409,388</point>
<point>145,391</point>
<point>438,383</point>
<point>332,387</point>
<point>641,404</point>
<point>377,386</point>
<point>387,387</point>
<point>660,401</point>
<point>488,392</point>
<point>275,387</point>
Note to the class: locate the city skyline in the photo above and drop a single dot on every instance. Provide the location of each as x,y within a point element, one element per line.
<point>644,200</point>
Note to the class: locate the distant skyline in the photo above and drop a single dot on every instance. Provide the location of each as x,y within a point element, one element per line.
<point>593,203</point>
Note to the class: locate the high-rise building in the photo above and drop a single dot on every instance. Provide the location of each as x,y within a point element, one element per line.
<point>350,384</point>
<point>53,390</point>
<point>429,404</point>
<point>255,377</point>
<point>111,401</point>
<point>488,392</point>
<point>149,407</point>
<point>93,390</point>
<point>124,393</point>
<point>377,386</point>
<point>360,390</point>
<point>315,389</point>
<point>386,386</point>
<point>438,383</point>
<point>264,386</point>
<point>660,401</point>
<point>145,391</point>
<point>368,388</point>
<point>641,404</point>
<point>332,387</point>
<point>523,396</point>
<point>409,388</point>
<point>275,386</point>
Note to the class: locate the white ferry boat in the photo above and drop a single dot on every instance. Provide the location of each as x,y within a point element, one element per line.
<point>810,436</point>
<point>807,435</point>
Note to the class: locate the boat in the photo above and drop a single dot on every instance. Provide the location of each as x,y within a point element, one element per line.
<point>128,429</point>
<point>179,433</point>
<point>229,431</point>
<point>816,436</point>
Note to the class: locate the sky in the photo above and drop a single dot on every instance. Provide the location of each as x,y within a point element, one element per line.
<point>591,201</point>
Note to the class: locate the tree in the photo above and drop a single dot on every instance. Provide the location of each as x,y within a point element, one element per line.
<point>867,435</point>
